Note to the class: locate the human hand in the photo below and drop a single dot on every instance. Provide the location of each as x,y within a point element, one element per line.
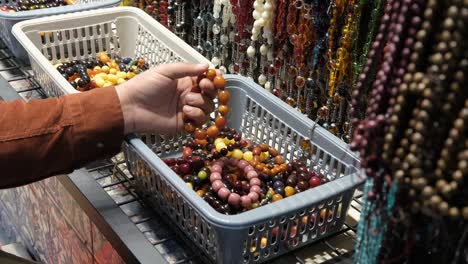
<point>157,99</point>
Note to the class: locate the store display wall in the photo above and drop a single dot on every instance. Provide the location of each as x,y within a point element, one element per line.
<point>47,219</point>
<point>309,53</point>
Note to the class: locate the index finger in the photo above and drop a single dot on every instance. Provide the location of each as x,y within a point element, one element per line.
<point>208,88</point>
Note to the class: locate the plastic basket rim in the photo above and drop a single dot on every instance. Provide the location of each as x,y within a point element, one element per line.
<point>59,10</point>
<point>44,63</point>
<point>260,214</point>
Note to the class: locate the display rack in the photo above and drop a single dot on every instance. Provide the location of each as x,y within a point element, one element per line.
<point>111,182</point>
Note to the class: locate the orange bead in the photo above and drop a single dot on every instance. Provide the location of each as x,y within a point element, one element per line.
<point>220,121</point>
<point>104,58</point>
<point>256,151</point>
<point>211,74</point>
<point>223,109</point>
<point>200,134</point>
<point>264,147</point>
<point>219,82</point>
<point>277,197</point>
<point>202,142</point>
<point>200,193</point>
<point>189,127</point>
<point>273,152</point>
<point>279,159</point>
<point>223,97</point>
<point>212,131</point>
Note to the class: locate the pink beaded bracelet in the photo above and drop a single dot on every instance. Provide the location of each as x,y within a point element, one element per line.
<point>224,193</point>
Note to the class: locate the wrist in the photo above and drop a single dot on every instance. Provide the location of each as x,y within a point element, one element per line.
<point>127,107</point>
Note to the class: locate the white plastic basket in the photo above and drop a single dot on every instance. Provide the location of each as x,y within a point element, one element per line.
<point>8,20</point>
<point>119,31</point>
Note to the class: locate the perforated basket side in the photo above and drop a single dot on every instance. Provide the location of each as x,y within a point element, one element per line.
<point>297,220</point>
<point>123,31</point>
<point>8,20</point>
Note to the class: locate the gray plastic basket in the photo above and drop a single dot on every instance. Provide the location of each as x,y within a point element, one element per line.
<point>236,238</point>
<point>8,20</point>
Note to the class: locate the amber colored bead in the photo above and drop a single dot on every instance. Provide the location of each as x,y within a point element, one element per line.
<point>220,121</point>
<point>223,97</point>
<point>277,197</point>
<point>264,147</point>
<point>189,127</point>
<point>256,151</point>
<point>200,193</point>
<point>279,160</point>
<point>273,152</point>
<point>283,166</point>
<point>202,142</point>
<point>275,170</point>
<point>223,109</point>
<point>267,171</point>
<point>211,74</point>
<point>212,131</point>
<point>200,134</point>
<point>219,82</point>
<point>259,167</point>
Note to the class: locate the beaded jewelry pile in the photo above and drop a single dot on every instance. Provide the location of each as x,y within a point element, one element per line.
<point>25,5</point>
<point>413,140</point>
<point>233,174</point>
<point>307,52</point>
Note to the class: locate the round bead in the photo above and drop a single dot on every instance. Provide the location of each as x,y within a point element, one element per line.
<point>266,15</point>
<point>189,127</point>
<point>223,109</point>
<point>248,169</point>
<point>246,201</point>
<point>216,168</point>
<point>211,74</point>
<point>217,185</point>
<point>220,121</point>
<point>234,199</point>
<point>216,29</point>
<point>212,131</point>
<point>237,153</point>
<point>289,191</point>
<point>252,174</point>
<point>215,61</point>
<point>314,181</point>
<point>268,6</point>
<point>219,82</point>
<point>255,181</point>
<point>256,14</point>
<point>276,197</point>
<point>268,86</point>
<point>223,97</point>
<point>224,39</point>
<point>242,164</point>
<point>255,188</point>
<point>253,196</point>
<point>262,79</point>
<point>251,52</point>
<point>215,176</point>
<point>264,49</point>
<point>223,193</point>
<point>248,155</point>
<point>223,69</point>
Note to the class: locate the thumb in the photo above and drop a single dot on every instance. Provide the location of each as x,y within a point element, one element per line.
<point>179,70</point>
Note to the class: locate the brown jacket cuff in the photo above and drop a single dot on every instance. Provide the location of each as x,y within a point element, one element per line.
<point>99,126</point>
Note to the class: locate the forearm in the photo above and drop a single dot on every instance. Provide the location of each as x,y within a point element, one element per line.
<point>48,137</point>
